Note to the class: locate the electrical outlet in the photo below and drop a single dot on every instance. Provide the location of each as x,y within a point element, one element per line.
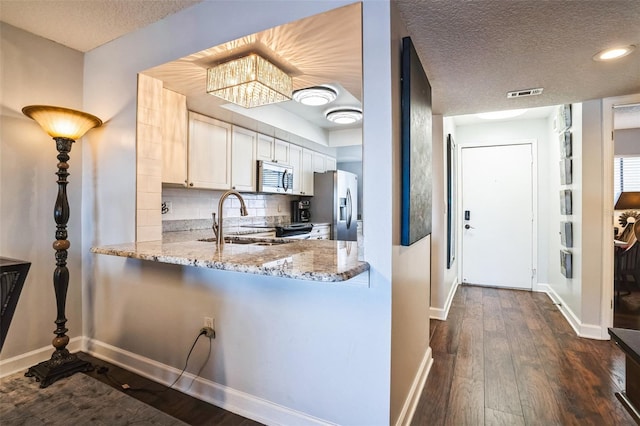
<point>208,322</point>
<point>167,207</point>
<point>208,328</point>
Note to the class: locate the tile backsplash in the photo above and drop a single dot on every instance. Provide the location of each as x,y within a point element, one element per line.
<point>190,204</point>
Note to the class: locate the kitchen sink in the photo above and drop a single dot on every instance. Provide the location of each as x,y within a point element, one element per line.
<point>248,241</point>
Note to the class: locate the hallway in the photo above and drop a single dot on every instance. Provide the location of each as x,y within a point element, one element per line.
<point>508,357</point>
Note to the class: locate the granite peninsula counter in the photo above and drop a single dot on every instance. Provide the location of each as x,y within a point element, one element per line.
<point>315,260</point>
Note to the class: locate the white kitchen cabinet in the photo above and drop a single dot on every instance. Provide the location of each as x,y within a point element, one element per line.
<point>281,151</point>
<point>295,161</point>
<point>319,163</point>
<point>264,147</point>
<point>320,232</point>
<point>330,163</point>
<point>209,153</point>
<point>174,138</point>
<point>273,150</point>
<point>307,172</point>
<point>243,159</point>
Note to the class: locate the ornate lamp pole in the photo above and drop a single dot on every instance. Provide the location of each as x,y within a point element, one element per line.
<point>65,126</point>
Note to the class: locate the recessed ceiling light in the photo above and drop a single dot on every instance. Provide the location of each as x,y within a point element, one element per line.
<point>497,115</point>
<point>315,96</point>
<point>613,53</point>
<point>344,115</point>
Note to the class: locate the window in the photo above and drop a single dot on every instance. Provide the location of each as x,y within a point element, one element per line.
<point>626,175</point>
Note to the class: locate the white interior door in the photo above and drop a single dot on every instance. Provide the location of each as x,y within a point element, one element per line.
<point>497,207</point>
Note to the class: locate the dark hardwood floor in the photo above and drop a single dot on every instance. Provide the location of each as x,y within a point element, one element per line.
<point>177,404</point>
<point>508,357</point>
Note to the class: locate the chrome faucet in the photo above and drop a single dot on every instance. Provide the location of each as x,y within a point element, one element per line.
<point>217,226</point>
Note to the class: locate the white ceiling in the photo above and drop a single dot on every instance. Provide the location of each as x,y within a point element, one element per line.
<point>325,49</point>
<point>86,24</point>
<point>473,51</point>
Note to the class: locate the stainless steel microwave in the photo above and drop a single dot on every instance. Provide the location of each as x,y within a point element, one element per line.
<point>275,178</point>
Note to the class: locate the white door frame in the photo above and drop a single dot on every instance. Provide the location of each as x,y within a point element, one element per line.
<point>606,312</point>
<point>534,206</point>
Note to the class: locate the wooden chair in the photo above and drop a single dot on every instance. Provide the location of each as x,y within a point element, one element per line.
<point>627,265</point>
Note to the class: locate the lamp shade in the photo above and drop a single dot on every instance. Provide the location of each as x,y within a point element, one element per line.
<point>62,122</point>
<point>249,81</point>
<point>628,200</point>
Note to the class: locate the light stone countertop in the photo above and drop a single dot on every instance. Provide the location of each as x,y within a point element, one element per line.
<point>315,260</point>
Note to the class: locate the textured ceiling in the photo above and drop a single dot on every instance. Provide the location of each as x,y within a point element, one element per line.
<point>473,51</point>
<point>86,24</point>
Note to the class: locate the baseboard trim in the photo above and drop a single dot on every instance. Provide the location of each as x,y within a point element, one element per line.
<point>22,362</point>
<point>238,402</point>
<point>442,313</point>
<point>589,331</point>
<point>411,403</point>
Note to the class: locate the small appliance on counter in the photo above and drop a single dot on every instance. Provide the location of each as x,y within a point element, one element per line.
<point>300,211</point>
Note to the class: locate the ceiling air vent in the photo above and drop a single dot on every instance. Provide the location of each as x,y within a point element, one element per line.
<point>525,92</point>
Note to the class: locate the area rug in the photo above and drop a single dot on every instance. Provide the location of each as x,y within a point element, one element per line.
<point>79,400</point>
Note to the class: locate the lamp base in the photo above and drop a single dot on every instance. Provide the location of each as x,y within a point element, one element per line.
<point>62,364</point>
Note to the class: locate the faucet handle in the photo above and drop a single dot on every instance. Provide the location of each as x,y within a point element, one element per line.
<point>215,225</point>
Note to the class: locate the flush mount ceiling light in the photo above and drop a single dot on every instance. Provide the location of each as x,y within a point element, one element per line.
<point>344,115</point>
<point>249,81</point>
<point>497,115</point>
<point>613,53</point>
<point>315,96</point>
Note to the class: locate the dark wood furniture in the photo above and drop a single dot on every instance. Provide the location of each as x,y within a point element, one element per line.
<point>627,263</point>
<point>13,272</point>
<point>629,342</point>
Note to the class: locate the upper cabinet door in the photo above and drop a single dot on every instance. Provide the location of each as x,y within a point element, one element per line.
<point>307,172</point>
<point>264,148</point>
<point>174,138</point>
<point>330,163</point>
<point>243,159</point>
<point>319,163</point>
<point>281,151</point>
<point>209,153</point>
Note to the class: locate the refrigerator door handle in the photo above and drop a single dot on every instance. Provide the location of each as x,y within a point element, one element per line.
<point>349,208</point>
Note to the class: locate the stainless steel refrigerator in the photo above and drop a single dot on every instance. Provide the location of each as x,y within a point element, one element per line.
<point>335,201</point>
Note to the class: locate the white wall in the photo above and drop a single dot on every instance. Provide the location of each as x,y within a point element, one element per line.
<point>567,291</point>
<point>592,216</point>
<point>410,352</point>
<point>442,279</point>
<point>37,71</point>
<point>320,349</point>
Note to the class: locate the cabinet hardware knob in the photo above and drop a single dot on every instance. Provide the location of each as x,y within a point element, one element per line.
<point>191,184</point>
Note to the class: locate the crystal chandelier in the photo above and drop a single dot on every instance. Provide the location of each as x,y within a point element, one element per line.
<point>249,81</point>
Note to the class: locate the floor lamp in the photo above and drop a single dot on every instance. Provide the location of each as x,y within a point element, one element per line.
<point>65,126</point>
